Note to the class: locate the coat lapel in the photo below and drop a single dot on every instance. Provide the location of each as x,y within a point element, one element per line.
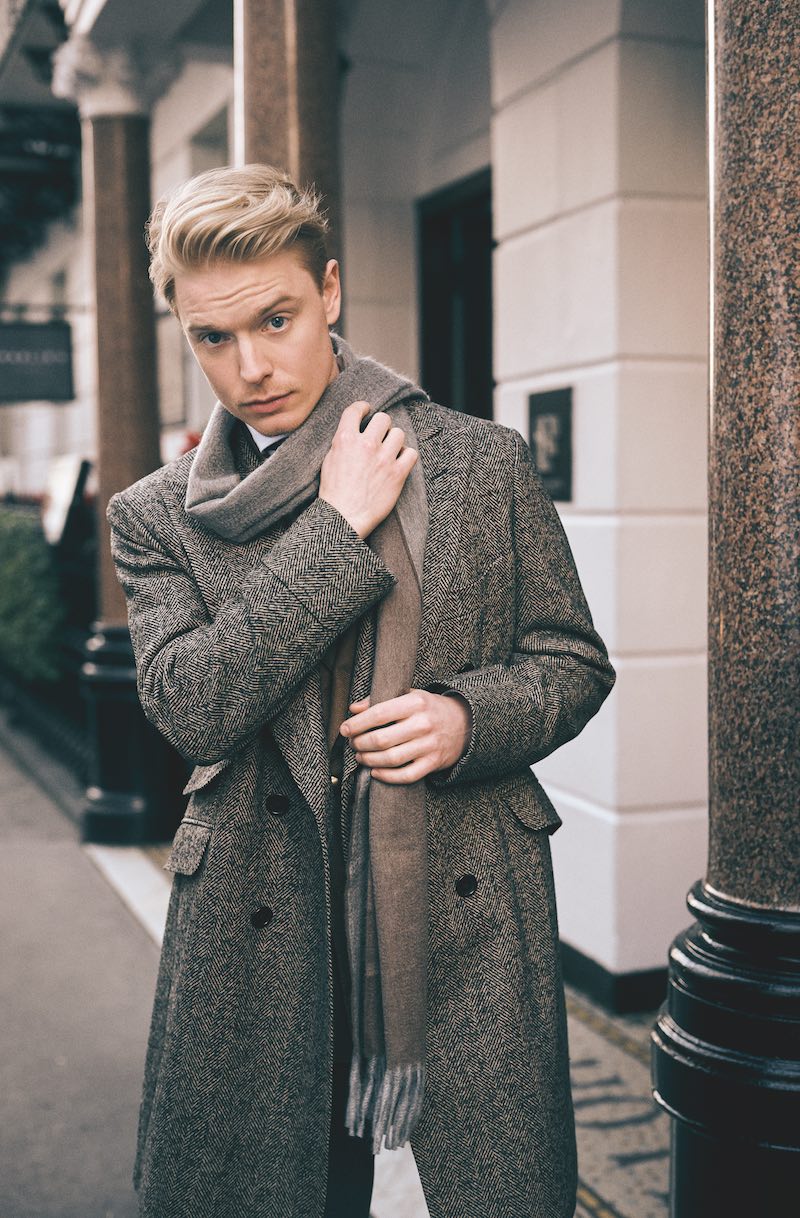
<point>446,455</point>
<point>359,688</point>
<point>299,732</point>
<point>299,729</point>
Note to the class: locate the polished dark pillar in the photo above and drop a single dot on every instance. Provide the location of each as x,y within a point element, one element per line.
<point>726,1058</point>
<point>131,795</point>
<point>127,397</point>
<point>287,65</point>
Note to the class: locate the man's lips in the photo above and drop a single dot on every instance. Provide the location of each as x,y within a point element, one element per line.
<point>266,404</point>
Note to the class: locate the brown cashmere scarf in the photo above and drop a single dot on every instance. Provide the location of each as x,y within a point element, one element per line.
<point>386,896</point>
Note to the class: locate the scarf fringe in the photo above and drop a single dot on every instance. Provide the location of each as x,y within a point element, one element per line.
<point>387,1099</point>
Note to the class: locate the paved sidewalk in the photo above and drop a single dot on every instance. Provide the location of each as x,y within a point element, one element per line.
<point>79,933</point>
<point>76,987</point>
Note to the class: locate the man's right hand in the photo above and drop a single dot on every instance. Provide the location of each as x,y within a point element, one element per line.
<point>365,471</point>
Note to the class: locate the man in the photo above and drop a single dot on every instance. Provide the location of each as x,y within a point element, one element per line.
<point>363,639</point>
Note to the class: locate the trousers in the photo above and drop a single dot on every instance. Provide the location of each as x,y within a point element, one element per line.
<point>350,1160</point>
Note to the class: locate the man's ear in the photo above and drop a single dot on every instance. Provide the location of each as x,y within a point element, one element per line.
<point>332,292</point>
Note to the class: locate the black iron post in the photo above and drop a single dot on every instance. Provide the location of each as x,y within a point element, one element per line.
<point>134,775</point>
<point>726,1046</point>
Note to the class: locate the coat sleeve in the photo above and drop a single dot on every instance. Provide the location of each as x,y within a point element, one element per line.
<point>558,674</point>
<point>209,684</point>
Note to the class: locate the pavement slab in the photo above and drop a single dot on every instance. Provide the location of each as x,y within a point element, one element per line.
<point>76,988</point>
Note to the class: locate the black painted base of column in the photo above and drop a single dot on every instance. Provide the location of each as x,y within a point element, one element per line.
<point>726,1060</point>
<point>135,777</point>
<point>710,1177</point>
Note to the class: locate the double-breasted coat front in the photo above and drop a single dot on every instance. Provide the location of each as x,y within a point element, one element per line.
<point>228,637</point>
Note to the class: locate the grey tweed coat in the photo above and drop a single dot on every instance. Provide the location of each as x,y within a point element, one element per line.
<point>234,1117</point>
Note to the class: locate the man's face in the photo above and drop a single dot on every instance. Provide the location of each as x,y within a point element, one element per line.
<point>259,331</point>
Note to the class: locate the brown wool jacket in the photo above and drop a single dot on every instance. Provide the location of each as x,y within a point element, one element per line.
<point>228,638</point>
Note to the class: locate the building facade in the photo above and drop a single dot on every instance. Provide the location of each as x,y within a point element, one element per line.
<point>521,218</point>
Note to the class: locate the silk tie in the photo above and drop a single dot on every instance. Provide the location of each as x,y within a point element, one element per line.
<point>267,452</point>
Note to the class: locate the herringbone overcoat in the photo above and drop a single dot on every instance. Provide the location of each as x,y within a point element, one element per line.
<point>234,1118</point>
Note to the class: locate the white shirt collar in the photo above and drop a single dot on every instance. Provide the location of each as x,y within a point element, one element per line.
<point>263,441</point>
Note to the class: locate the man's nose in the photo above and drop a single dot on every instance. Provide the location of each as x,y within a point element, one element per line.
<point>254,361</point>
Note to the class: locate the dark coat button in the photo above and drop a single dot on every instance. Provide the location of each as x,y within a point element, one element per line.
<point>277,804</point>
<point>261,917</point>
<point>466,885</point>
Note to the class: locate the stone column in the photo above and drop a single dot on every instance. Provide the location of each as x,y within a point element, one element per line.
<point>727,1043</point>
<point>125,798</point>
<point>113,97</point>
<point>286,72</point>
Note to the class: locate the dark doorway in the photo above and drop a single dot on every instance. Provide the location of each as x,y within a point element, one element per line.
<point>455,261</point>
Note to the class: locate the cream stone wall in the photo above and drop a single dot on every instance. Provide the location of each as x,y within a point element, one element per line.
<point>415,117</point>
<point>601,284</point>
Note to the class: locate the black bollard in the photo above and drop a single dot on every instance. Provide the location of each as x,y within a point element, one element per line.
<point>135,777</point>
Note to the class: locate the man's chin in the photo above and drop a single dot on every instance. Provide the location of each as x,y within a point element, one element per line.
<point>276,422</point>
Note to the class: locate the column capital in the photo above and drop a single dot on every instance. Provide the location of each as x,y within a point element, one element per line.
<point>109,80</point>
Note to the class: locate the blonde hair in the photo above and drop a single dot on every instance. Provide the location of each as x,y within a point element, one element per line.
<point>234,215</point>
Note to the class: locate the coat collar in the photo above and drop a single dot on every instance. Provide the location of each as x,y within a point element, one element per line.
<point>446,455</point>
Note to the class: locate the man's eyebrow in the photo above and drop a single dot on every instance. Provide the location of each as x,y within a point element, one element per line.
<point>200,327</point>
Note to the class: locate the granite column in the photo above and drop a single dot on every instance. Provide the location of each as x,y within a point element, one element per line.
<point>726,1060</point>
<point>286,77</point>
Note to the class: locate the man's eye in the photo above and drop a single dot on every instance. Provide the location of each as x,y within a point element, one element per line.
<point>212,339</point>
<point>277,323</point>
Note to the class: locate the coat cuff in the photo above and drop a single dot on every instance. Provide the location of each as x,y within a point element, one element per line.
<point>486,754</point>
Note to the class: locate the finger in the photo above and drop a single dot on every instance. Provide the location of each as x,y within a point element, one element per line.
<point>379,426</point>
<point>352,415</point>
<point>405,774</point>
<point>354,708</point>
<point>401,754</point>
<point>407,459</point>
<point>389,736</point>
<point>394,441</point>
<point>382,713</point>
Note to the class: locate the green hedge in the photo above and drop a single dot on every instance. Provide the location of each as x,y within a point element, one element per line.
<point>31,615</point>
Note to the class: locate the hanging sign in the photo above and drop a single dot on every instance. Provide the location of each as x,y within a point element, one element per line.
<point>35,362</point>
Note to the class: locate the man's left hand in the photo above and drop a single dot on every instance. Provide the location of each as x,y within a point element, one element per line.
<point>408,737</point>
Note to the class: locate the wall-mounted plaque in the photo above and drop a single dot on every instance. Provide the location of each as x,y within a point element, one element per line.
<point>551,440</point>
<point>35,362</point>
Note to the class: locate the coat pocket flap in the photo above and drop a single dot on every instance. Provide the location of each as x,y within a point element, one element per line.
<point>188,847</point>
<point>531,806</point>
<point>202,775</point>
